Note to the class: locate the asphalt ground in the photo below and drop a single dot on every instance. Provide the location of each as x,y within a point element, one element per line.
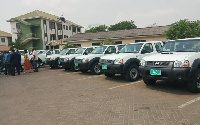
<point>59,97</point>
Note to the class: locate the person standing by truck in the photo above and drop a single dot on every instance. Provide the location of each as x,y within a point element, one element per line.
<point>35,60</point>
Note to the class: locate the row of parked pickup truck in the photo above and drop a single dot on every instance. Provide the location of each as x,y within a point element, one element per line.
<point>175,61</point>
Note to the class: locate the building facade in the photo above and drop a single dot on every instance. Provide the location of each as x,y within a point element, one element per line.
<point>5,38</point>
<point>120,36</point>
<point>39,29</point>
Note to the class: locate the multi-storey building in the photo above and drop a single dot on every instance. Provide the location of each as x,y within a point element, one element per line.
<point>5,38</point>
<point>40,30</point>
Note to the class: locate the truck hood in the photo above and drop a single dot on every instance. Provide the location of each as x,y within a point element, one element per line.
<point>70,56</point>
<point>53,56</point>
<point>120,55</point>
<point>169,57</point>
<point>90,56</point>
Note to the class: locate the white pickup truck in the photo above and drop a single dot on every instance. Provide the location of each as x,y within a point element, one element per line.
<point>53,60</point>
<point>90,61</point>
<point>178,61</point>
<point>67,61</point>
<point>126,61</point>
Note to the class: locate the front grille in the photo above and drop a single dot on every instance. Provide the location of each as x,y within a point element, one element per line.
<point>47,59</point>
<point>61,59</point>
<point>105,61</point>
<point>160,63</point>
<point>78,60</point>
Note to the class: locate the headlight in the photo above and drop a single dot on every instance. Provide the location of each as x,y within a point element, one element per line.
<point>85,60</point>
<point>184,63</point>
<point>118,61</point>
<point>66,59</point>
<point>142,63</point>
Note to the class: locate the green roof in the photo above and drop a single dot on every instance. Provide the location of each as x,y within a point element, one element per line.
<point>39,14</point>
<point>5,34</point>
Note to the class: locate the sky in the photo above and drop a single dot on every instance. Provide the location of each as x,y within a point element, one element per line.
<point>89,13</point>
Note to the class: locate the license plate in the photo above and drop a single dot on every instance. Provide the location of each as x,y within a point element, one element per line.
<point>76,64</point>
<point>104,66</point>
<point>155,72</point>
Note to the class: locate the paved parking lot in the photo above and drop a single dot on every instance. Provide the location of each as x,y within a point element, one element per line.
<point>59,97</point>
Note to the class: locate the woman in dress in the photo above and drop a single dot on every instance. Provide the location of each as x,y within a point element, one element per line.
<point>27,63</point>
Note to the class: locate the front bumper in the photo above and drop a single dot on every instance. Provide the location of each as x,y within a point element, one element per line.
<point>112,68</point>
<point>51,62</point>
<point>83,65</point>
<point>167,73</point>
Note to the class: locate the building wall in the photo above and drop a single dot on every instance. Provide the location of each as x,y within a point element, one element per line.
<point>124,41</point>
<point>13,31</point>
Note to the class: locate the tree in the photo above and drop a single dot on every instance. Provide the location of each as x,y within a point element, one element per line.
<point>107,42</point>
<point>17,45</point>
<point>124,25</point>
<point>183,29</point>
<point>98,28</point>
<point>69,45</point>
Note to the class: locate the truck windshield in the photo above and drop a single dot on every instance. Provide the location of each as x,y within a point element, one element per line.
<point>189,45</point>
<point>99,50</point>
<point>131,48</point>
<point>64,51</point>
<point>80,51</point>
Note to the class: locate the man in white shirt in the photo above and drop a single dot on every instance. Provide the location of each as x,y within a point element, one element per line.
<point>35,60</point>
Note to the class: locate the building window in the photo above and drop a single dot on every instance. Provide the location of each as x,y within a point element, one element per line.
<point>95,44</point>
<point>74,29</point>
<point>66,27</point>
<point>60,37</point>
<point>118,42</point>
<point>45,34</point>
<point>52,37</point>
<point>78,29</point>
<point>3,40</point>
<point>65,36</point>
<point>19,36</point>
<point>18,26</point>
<point>59,26</point>
<point>51,25</point>
<point>136,41</point>
<point>44,21</point>
<point>69,27</point>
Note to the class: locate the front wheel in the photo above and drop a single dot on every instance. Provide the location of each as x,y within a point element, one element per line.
<point>95,69</point>
<point>132,73</point>
<point>149,81</point>
<point>194,85</point>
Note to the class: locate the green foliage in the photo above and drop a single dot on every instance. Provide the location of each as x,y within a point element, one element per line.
<point>183,29</point>
<point>124,25</point>
<point>95,29</point>
<point>17,45</point>
<point>107,42</point>
<point>69,45</point>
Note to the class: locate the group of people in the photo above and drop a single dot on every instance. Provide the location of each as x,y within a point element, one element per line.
<point>12,61</point>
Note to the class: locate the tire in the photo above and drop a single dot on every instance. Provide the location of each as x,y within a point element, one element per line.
<point>83,70</point>
<point>109,75</point>
<point>74,68</point>
<point>194,85</point>
<point>132,74</point>
<point>95,69</point>
<point>149,81</point>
